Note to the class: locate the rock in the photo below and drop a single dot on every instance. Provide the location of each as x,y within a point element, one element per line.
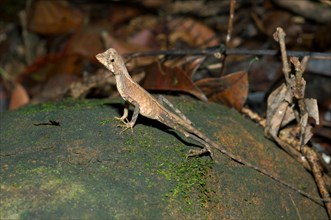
<point>86,169</point>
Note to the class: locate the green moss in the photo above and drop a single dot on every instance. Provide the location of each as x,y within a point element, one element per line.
<point>189,178</point>
<point>106,121</point>
<point>51,189</point>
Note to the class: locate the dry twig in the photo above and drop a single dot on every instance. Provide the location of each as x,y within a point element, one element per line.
<point>229,51</point>
<point>281,111</point>
<point>229,32</point>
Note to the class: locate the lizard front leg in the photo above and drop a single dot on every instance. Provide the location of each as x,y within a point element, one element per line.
<point>131,123</point>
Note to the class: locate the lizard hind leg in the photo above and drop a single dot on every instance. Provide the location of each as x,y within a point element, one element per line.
<point>200,152</point>
<point>165,119</point>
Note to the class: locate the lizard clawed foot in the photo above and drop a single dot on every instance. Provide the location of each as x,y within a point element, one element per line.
<point>124,120</point>
<point>200,152</point>
<point>126,124</point>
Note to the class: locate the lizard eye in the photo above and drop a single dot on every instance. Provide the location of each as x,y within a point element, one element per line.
<point>112,60</point>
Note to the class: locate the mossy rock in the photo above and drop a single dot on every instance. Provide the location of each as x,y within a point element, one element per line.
<point>86,169</point>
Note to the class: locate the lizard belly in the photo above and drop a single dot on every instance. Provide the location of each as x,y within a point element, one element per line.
<point>148,109</point>
<point>135,94</point>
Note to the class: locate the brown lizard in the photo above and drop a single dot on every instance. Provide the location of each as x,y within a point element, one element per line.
<point>146,105</point>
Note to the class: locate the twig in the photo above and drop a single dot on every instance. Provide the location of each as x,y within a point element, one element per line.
<point>26,35</point>
<point>230,22</point>
<point>221,49</point>
<point>254,116</point>
<point>316,55</point>
<point>298,92</point>
<point>229,32</point>
<point>318,176</point>
<point>279,36</point>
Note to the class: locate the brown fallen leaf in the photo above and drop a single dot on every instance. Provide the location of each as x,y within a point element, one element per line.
<point>54,88</point>
<point>119,44</point>
<point>231,90</point>
<point>161,77</point>
<point>309,9</point>
<point>86,42</point>
<point>53,17</point>
<point>189,64</point>
<point>159,33</point>
<point>192,32</point>
<point>34,78</point>
<point>122,13</point>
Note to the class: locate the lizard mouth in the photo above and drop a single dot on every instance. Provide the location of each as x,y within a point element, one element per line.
<point>111,68</point>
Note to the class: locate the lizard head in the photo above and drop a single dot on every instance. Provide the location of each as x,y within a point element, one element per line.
<point>112,60</point>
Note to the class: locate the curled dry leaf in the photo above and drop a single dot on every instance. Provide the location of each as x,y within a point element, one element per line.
<point>161,77</point>
<point>231,90</point>
<point>279,112</point>
<point>312,111</point>
<point>189,64</point>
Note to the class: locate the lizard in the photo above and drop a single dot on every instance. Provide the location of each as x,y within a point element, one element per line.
<point>145,104</point>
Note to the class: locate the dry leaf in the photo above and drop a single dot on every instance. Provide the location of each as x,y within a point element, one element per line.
<point>192,32</point>
<point>161,77</point>
<point>36,75</point>
<point>86,42</point>
<point>54,88</point>
<point>278,108</point>
<point>312,109</point>
<point>53,17</point>
<point>306,129</point>
<point>231,90</point>
<point>122,13</point>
